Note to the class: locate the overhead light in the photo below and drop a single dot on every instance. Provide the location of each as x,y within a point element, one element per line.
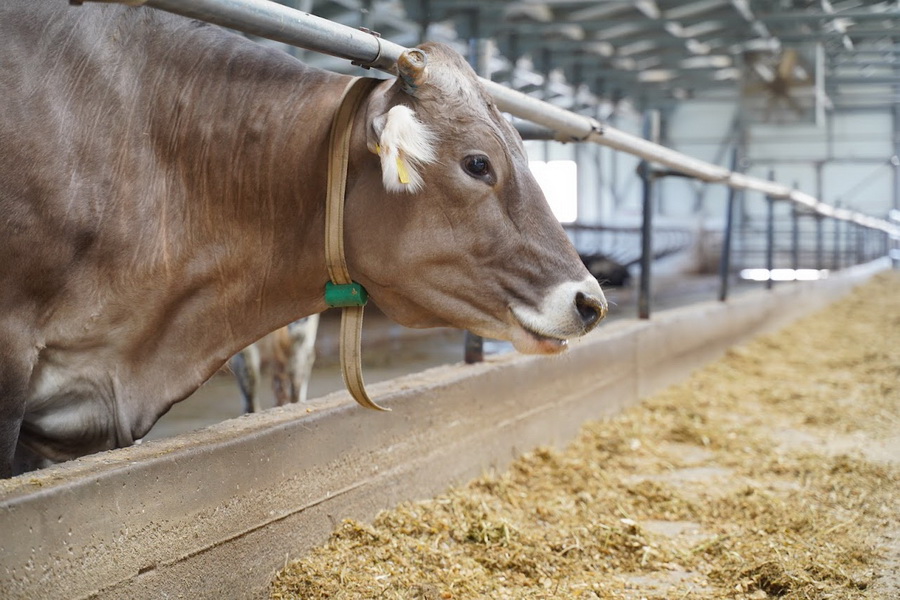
<point>636,47</point>
<point>697,47</point>
<point>762,44</point>
<point>527,11</point>
<point>731,73</point>
<point>784,274</point>
<point>674,28</point>
<point>647,63</point>
<point>656,75</point>
<point>648,7</point>
<point>624,64</point>
<point>716,61</point>
<point>567,32</point>
<point>599,48</point>
<point>703,28</point>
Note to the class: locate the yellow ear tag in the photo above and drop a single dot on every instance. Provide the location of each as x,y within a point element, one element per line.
<point>401,171</point>
<point>377,149</point>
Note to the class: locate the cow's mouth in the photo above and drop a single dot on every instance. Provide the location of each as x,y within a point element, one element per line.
<point>548,345</point>
<point>528,341</point>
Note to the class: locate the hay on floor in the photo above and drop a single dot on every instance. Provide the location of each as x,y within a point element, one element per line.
<point>774,472</point>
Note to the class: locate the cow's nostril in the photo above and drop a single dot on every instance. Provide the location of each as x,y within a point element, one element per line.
<point>591,309</point>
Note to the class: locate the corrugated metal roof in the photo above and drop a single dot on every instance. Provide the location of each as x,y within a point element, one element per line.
<point>778,56</point>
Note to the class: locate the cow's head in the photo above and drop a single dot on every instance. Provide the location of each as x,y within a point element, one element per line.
<point>464,235</point>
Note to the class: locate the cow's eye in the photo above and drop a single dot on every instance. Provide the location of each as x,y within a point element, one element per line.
<point>478,166</point>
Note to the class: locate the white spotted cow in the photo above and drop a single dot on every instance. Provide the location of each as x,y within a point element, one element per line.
<point>292,353</point>
<point>162,188</point>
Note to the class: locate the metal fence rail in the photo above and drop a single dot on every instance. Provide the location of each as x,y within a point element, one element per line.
<point>280,23</point>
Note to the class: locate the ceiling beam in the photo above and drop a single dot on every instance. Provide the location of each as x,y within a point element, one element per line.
<point>726,19</point>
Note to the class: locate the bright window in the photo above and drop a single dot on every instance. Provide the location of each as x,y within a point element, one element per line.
<point>559,181</point>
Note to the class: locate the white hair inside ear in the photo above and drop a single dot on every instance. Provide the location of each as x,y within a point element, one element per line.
<point>404,146</point>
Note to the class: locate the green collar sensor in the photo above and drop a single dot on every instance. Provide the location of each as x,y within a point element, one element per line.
<point>341,296</point>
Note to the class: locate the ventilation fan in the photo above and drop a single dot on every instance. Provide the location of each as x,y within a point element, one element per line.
<point>779,79</point>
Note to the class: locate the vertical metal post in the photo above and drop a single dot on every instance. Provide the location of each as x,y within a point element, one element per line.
<point>473,348</point>
<point>473,345</point>
<point>795,237</point>
<point>616,197</point>
<point>848,244</point>
<point>860,250</point>
<point>836,250</point>
<point>867,244</point>
<point>725,260</point>
<point>820,231</point>
<point>820,264</point>
<point>651,132</point>
<point>604,199</point>
<point>474,33</point>
<point>424,20</point>
<point>770,234</point>
<point>366,17</point>
<point>644,170</point>
<point>895,159</point>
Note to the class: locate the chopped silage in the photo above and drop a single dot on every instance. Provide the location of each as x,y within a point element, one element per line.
<point>773,472</point>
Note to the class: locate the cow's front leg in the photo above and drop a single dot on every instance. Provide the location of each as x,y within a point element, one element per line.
<point>246,367</point>
<point>13,386</point>
<point>303,355</point>
<point>9,437</point>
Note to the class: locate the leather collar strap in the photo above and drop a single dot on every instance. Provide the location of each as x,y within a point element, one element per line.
<point>342,291</point>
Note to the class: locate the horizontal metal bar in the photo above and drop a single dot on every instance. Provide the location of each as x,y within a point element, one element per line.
<point>283,24</point>
<point>725,20</point>
<point>290,26</point>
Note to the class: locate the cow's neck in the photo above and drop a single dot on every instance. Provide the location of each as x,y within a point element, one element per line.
<point>250,224</point>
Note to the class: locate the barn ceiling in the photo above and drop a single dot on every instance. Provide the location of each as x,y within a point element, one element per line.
<point>779,55</point>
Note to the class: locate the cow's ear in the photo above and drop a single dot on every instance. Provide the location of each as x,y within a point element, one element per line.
<point>411,70</point>
<point>404,144</point>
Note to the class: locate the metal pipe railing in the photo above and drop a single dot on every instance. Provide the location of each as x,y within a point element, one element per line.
<point>296,28</point>
<point>283,24</point>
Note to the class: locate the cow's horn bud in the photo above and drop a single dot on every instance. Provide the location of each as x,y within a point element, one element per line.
<point>411,67</point>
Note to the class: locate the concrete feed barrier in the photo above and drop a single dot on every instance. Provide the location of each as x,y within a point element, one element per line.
<point>214,513</point>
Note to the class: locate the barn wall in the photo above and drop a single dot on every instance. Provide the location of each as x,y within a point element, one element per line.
<point>853,147</point>
<point>215,513</point>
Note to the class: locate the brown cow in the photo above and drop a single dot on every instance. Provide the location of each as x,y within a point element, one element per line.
<point>161,207</point>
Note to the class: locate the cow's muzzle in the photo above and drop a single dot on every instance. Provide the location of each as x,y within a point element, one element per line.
<point>570,310</point>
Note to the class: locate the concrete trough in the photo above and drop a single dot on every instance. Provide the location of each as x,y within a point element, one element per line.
<point>214,513</point>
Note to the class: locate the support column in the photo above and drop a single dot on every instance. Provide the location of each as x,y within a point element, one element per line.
<point>479,53</point>
<point>651,133</point>
<point>895,159</point>
<point>770,234</point>
<point>795,236</point>
<point>725,260</point>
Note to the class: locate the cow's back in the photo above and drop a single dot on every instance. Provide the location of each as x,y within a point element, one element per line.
<point>92,129</point>
<point>72,157</point>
